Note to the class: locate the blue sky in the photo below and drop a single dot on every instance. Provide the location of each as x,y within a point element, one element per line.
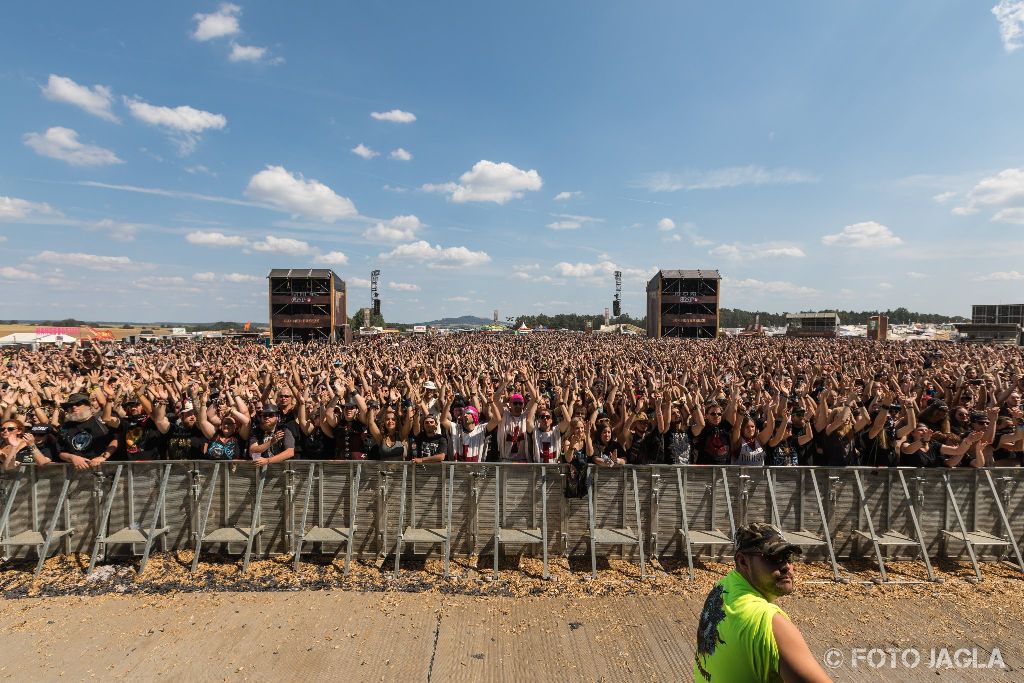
<point>157,159</point>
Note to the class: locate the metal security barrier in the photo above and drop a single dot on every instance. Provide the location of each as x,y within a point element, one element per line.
<point>684,512</point>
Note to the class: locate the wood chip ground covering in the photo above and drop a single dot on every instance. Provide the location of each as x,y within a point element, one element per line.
<point>272,623</point>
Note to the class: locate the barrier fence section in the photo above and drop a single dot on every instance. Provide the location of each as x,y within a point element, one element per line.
<point>369,510</point>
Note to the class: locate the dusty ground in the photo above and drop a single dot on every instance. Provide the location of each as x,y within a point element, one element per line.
<point>274,624</point>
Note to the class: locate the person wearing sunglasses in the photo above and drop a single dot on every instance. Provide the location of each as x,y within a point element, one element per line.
<point>711,433</point>
<point>511,421</point>
<point>742,634</point>
<point>18,446</point>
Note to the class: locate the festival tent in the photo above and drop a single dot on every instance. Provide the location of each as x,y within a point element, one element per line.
<point>33,338</point>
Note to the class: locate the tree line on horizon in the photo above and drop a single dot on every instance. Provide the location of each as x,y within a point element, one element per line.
<point>735,317</point>
<point>729,317</point>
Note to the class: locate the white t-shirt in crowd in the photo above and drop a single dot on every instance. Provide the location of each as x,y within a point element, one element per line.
<point>469,446</point>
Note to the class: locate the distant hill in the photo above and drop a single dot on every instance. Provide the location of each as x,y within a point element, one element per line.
<point>461,321</point>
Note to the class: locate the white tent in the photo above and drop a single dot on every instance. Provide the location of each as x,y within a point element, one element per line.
<point>56,339</point>
<point>19,338</point>
<point>33,338</point>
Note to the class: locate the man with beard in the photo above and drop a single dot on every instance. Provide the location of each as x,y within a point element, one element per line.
<point>138,435</point>
<point>83,439</point>
<point>348,431</point>
<point>270,442</point>
<point>432,444</point>
<point>184,437</point>
<point>743,635</point>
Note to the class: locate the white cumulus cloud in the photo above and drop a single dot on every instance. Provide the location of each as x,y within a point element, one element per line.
<point>119,232</point>
<point>403,287</point>
<point>276,186</point>
<point>436,256</point>
<point>866,235</point>
<point>563,196</point>
<point>401,154</point>
<point>488,181</point>
<point>223,22</point>
<point>332,258</point>
<point>597,271</point>
<point>241,277</point>
<point>214,239</point>
<point>246,53</point>
<point>63,144</point>
<point>185,124</point>
<point>1015,215</point>
<point>1005,187</point>
<point>666,224</point>
<point>365,152</point>
<point>1010,14</point>
<point>88,261</point>
<point>96,100</point>
<point>9,273</point>
<point>395,116</point>
<point>204,277</point>
<point>769,287</point>
<point>738,251</point>
<point>15,209</point>
<point>282,245</point>
<point>398,229</point>
<point>1001,276</point>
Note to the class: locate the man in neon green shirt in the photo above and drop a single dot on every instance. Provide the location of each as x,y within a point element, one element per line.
<point>743,635</point>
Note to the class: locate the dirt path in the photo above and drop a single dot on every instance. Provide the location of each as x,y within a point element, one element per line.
<point>433,636</point>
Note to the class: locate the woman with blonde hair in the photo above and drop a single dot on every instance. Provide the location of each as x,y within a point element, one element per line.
<point>577,450</point>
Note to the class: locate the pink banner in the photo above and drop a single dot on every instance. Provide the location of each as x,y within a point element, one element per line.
<point>69,331</point>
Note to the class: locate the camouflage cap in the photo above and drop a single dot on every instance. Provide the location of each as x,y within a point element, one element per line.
<point>759,537</point>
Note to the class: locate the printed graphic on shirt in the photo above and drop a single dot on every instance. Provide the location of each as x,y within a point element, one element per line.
<point>81,441</point>
<point>707,629</point>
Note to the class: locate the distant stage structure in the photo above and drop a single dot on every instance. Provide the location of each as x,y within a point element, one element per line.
<point>307,304</point>
<point>683,303</point>
<point>822,324</point>
<point>994,324</point>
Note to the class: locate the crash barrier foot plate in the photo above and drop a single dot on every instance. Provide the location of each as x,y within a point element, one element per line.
<point>420,535</point>
<point>34,537</point>
<point>707,537</point>
<point>231,534</point>
<point>975,537</point>
<point>128,535</point>
<point>888,538</point>
<point>319,534</point>
<point>509,535</point>
<point>624,536</point>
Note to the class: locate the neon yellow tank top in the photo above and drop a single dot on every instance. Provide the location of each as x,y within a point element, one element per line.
<point>735,641</point>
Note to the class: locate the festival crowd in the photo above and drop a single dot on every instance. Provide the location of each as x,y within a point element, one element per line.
<point>606,400</point>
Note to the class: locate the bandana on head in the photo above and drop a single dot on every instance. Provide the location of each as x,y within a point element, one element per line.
<point>472,412</point>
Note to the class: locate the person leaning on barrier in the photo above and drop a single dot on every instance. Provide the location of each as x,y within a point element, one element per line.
<point>786,445</point>
<point>432,445</point>
<point>390,432</point>
<point>19,446</point>
<point>742,635</point>
<point>712,430</point>
<point>270,442</point>
<point>577,451</point>
<point>185,440</point>
<point>348,429</point>
<point>83,439</point>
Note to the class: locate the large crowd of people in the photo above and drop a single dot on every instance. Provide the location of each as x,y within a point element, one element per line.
<point>606,400</point>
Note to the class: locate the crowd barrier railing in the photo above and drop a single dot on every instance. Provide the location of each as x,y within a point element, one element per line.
<point>376,510</point>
